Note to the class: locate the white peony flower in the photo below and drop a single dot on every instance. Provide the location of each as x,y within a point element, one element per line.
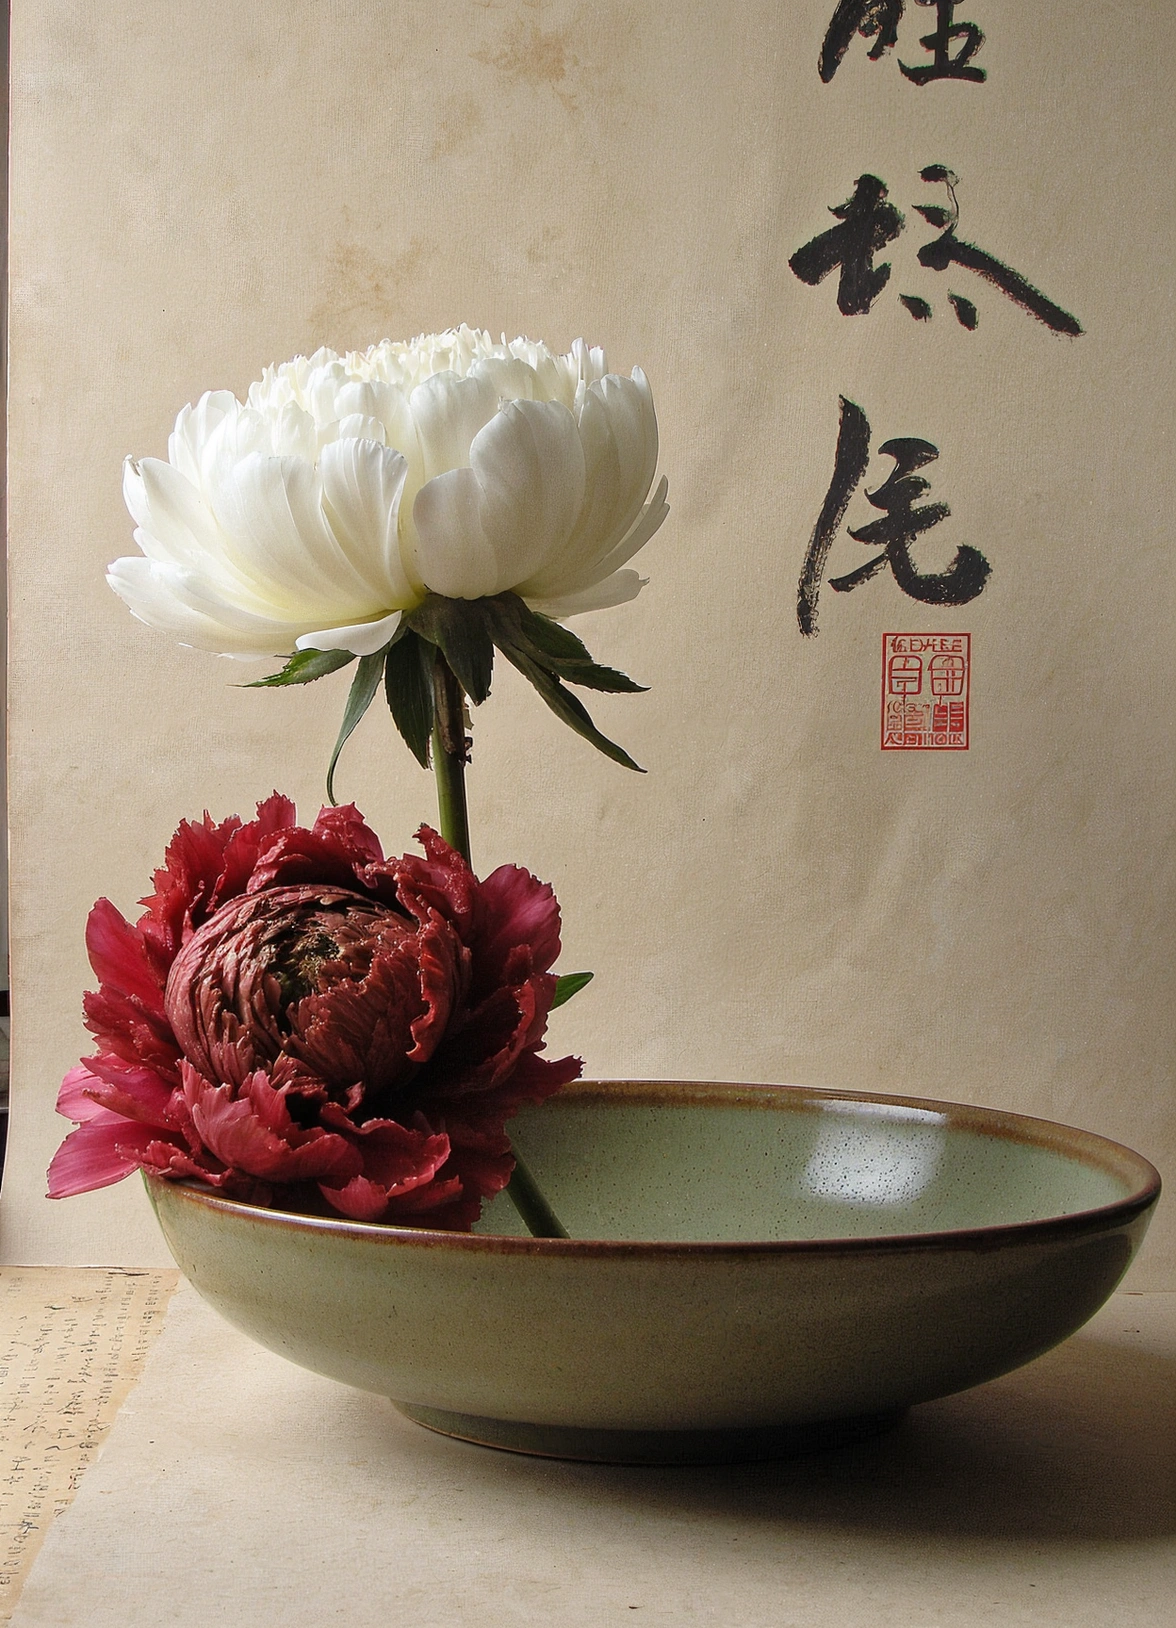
<point>346,488</point>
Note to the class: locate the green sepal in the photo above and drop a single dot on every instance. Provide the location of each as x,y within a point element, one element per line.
<point>303,667</point>
<point>567,707</point>
<point>460,628</point>
<point>359,699</point>
<point>567,985</point>
<point>590,675</point>
<point>408,686</point>
<point>547,636</point>
<point>553,647</point>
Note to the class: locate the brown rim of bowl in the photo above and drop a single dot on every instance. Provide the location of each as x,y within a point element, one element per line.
<point>1086,1146</point>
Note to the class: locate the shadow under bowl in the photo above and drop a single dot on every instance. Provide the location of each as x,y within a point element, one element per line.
<point>753,1271</point>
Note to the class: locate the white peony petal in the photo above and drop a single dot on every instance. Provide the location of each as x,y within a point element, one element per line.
<point>530,466</point>
<point>619,430</point>
<point>615,590</point>
<point>358,397</point>
<point>452,554</point>
<point>362,639</point>
<point>629,407</point>
<point>181,530</point>
<point>448,412</point>
<point>271,509</point>
<point>234,438</point>
<point>399,427</point>
<point>400,432</point>
<point>171,511</point>
<point>293,434</point>
<point>362,486</point>
<point>596,527</point>
<point>194,428</point>
<point>650,518</point>
<point>509,378</point>
<point>134,496</point>
<point>359,427</point>
<point>175,602</point>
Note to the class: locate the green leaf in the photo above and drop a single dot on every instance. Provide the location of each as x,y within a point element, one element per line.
<point>569,984</point>
<point>568,707</point>
<point>461,630</point>
<point>359,699</point>
<point>408,685</point>
<point>303,667</point>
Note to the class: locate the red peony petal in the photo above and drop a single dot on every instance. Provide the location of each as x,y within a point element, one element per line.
<point>274,813</point>
<point>254,1133</point>
<point>340,849</point>
<point>422,1200</point>
<point>397,1161</point>
<point>442,1207</point>
<point>440,884</point>
<point>433,1205</point>
<point>185,886</point>
<point>400,1158</point>
<point>536,1078</point>
<point>118,957</point>
<point>514,910</point>
<point>168,1159</point>
<point>97,1154</point>
<point>73,1097</point>
<point>480,1146</point>
<point>346,829</point>
<point>363,1030</point>
<point>359,1200</point>
<point>490,1040</point>
<point>443,965</point>
<point>128,1089</point>
<point>121,1025</point>
<point>431,992</point>
<point>205,865</point>
<point>482,1173</point>
<point>244,848</point>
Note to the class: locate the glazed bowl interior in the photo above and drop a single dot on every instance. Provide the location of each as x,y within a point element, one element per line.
<point>681,1164</point>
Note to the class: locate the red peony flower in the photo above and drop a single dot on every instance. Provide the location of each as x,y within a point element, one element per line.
<point>299,1022</point>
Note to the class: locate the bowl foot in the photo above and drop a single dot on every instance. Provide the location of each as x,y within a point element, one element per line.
<point>734,1445</point>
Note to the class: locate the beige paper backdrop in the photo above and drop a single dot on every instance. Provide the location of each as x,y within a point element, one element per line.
<point>202,189</point>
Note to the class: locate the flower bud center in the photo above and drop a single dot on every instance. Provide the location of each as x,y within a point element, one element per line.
<point>243,987</point>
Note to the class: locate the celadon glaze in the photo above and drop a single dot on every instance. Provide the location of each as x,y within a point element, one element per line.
<point>752,1270</point>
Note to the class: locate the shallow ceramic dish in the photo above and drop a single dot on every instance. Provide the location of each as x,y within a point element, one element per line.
<point>752,1270</point>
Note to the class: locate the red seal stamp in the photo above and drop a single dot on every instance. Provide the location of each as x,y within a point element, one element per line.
<point>926,691</point>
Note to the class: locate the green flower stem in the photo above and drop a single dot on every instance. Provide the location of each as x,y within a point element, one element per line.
<point>451,747</point>
<point>528,1200</point>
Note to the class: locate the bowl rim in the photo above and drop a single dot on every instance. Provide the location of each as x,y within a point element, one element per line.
<point>1086,1146</point>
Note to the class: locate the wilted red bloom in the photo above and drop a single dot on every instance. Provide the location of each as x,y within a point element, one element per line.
<point>298,1021</point>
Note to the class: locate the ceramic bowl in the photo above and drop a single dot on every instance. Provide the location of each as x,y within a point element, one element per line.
<point>753,1270</point>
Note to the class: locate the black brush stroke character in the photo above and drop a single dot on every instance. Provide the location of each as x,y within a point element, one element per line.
<point>849,465</point>
<point>900,525</point>
<point>950,250</point>
<point>939,41</point>
<point>864,17</point>
<point>868,223</point>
